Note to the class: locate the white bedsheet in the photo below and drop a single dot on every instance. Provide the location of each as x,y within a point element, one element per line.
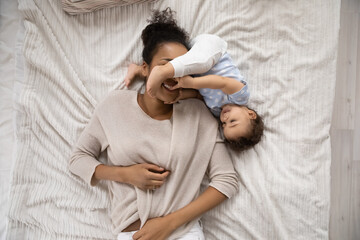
<point>285,49</point>
<point>9,47</point>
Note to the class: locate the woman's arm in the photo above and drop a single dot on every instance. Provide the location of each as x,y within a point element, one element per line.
<point>223,185</point>
<point>134,71</point>
<point>84,162</point>
<point>209,199</point>
<point>143,176</point>
<point>162,227</point>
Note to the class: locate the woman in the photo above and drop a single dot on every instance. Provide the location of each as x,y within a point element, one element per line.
<point>158,153</point>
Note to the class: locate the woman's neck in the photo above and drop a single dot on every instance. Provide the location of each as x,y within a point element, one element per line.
<point>155,108</point>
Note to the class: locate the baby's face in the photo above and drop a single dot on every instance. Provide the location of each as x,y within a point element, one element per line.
<point>236,121</point>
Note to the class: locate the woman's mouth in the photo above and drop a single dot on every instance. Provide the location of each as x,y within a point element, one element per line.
<point>168,84</point>
<point>168,87</point>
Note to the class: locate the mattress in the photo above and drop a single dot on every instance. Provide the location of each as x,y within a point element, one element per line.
<point>285,49</point>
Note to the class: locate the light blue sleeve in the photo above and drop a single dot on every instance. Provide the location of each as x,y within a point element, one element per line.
<point>241,97</point>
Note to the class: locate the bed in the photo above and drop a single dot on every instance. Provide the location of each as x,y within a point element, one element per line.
<point>55,68</point>
<point>9,26</point>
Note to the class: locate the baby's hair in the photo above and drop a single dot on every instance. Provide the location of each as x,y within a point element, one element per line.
<point>163,28</point>
<point>256,132</point>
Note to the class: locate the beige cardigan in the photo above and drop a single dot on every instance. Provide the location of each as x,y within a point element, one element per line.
<point>188,145</point>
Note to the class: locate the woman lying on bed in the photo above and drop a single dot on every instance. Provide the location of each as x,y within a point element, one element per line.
<point>141,133</point>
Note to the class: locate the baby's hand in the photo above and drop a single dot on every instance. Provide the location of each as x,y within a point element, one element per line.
<point>183,82</point>
<point>133,72</point>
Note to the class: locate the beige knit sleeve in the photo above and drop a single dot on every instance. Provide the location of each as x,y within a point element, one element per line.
<point>221,171</point>
<point>84,158</point>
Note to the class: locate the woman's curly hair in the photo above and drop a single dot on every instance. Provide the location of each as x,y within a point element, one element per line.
<point>256,132</point>
<point>162,28</point>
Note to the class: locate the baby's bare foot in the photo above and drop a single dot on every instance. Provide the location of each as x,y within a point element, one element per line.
<point>152,90</point>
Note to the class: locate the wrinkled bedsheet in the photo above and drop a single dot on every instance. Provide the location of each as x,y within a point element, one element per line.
<point>285,49</point>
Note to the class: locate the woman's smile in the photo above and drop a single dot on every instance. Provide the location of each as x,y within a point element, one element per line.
<point>168,84</point>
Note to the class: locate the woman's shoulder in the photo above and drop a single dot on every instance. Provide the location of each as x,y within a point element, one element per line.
<point>119,93</point>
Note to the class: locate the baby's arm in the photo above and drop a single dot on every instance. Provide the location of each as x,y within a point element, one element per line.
<point>225,84</point>
<point>205,53</point>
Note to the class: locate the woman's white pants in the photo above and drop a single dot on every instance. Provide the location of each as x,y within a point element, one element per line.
<point>195,233</point>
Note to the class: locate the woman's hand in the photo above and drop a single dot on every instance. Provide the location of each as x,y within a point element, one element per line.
<point>178,98</point>
<point>155,229</point>
<point>145,176</point>
<point>162,227</point>
<point>133,72</point>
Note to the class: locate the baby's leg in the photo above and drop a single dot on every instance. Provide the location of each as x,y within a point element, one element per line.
<point>157,76</point>
<point>154,81</point>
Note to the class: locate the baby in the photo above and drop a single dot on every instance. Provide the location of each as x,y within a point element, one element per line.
<point>220,84</point>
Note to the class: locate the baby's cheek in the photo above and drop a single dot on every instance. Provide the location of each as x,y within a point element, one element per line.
<point>226,132</point>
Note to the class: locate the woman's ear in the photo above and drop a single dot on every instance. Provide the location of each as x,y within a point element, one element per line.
<point>145,70</point>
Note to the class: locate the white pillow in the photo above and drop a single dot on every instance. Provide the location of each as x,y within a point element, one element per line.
<point>85,6</point>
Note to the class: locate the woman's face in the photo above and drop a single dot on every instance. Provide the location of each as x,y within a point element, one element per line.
<point>165,53</point>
